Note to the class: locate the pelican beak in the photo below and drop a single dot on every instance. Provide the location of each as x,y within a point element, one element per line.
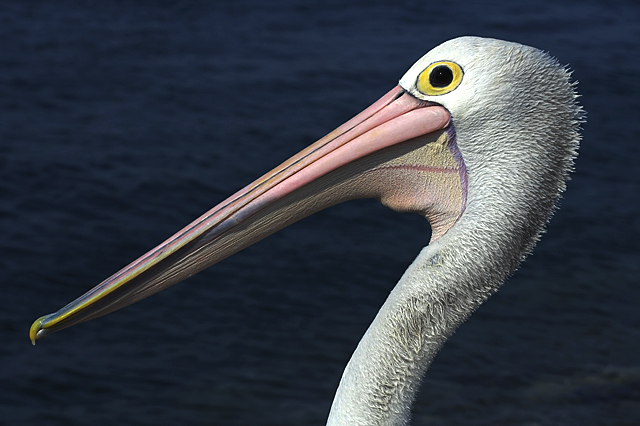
<point>336,168</point>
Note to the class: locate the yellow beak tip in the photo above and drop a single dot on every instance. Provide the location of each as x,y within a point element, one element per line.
<point>36,327</point>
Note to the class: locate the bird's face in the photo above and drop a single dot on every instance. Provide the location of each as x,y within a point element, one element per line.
<point>514,121</point>
<point>447,75</point>
<point>495,91</point>
<point>478,81</point>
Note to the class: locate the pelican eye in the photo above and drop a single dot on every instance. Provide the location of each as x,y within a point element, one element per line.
<point>439,78</point>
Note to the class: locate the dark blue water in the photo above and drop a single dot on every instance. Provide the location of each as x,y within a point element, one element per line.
<point>122,122</point>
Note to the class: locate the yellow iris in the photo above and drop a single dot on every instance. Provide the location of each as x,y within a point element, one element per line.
<point>439,78</point>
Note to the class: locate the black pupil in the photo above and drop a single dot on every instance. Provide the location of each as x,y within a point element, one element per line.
<point>441,76</point>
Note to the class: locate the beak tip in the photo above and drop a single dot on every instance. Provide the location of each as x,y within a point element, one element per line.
<point>37,331</point>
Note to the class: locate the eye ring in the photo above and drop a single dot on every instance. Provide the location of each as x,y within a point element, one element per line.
<point>439,78</point>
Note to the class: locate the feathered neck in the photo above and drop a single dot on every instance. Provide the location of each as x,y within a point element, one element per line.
<point>517,160</point>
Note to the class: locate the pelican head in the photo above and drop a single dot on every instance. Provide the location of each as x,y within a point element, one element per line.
<point>478,137</point>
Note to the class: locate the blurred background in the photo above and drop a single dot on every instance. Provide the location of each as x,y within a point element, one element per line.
<point>122,121</point>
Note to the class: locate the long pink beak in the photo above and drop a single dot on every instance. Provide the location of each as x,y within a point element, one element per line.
<point>317,177</point>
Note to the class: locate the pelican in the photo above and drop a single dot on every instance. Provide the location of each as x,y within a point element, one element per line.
<point>479,137</point>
